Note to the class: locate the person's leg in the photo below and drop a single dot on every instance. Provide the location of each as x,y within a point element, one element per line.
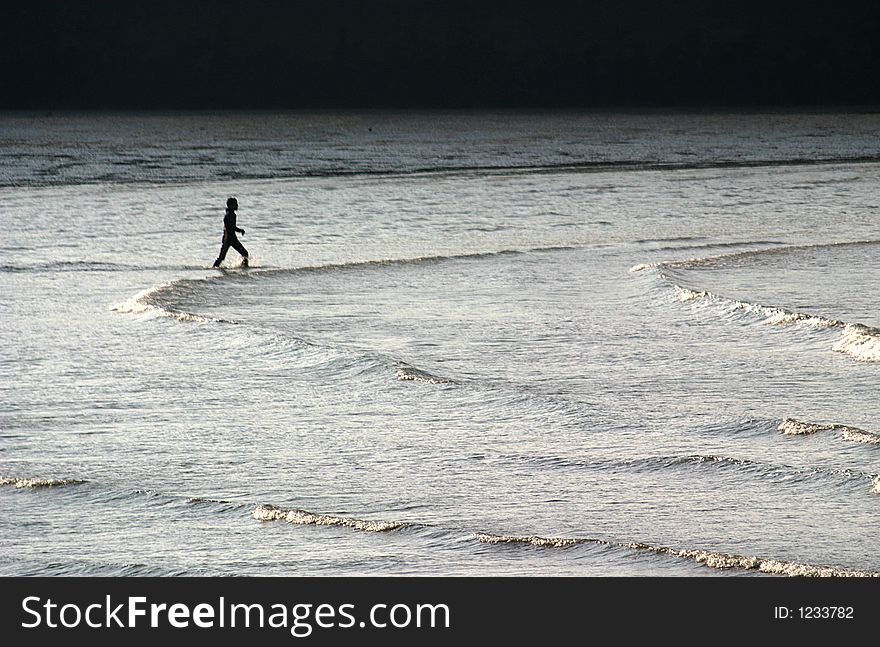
<point>240,249</point>
<point>223,249</point>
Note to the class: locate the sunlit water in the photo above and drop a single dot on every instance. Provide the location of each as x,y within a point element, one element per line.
<point>467,344</point>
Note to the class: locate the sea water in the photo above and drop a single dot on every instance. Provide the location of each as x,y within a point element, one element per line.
<point>467,344</point>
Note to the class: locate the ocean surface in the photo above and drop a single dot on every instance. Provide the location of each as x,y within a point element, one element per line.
<point>495,343</point>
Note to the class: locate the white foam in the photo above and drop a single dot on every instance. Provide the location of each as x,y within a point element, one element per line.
<point>710,559</point>
<point>860,436</point>
<point>686,294</point>
<point>139,303</point>
<point>770,315</point>
<point>859,342</point>
<point>37,482</point>
<point>771,566</point>
<point>408,373</point>
<point>303,517</point>
<point>542,542</point>
<point>144,303</point>
<point>791,427</point>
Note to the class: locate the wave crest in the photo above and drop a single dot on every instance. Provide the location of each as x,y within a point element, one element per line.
<point>147,302</point>
<point>265,512</point>
<point>405,372</point>
<point>857,340</point>
<point>860,342</point>
<point>541,542</point>
<point>37,482</point>
<point>770,314</point>
<point>860,436</point>
<point>792,427</point>
<point>710,559</point>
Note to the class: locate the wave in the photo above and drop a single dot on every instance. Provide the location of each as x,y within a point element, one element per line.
<point>704,261</point>
<point>90,266</point>
<point>341,361</point>
<point>770,314</point>
<point>159,300</point>
<point>764,469</point>
<point>647,464</point>
<point>405,372</point>
<point>532,540</point>
<point>710,559</point>
<point>65,266</point>
<point>792,427</point>
<point>83,568</point>
<point>96,567</point>
<point>415,260</point>
<point>860,342</point>
<point>162,300</point>
<point>155,301</point>
<point>690,243</point>
<point>302,517</point>
<point>267,513</point>
<point>658,464</point>
<point>38,482</point>
<point>114,493</point>
<point>172,175</point>
<point>857,340</point>
<point>594,166</point>
<point>149,302</point>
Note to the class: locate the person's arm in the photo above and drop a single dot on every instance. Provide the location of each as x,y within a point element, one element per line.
<point>231,224</point>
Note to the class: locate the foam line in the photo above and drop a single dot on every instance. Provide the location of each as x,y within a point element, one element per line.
<point>302,517</point>
<point>709,559</point>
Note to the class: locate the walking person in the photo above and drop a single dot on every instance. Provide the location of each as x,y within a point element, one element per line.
<point>230,239</point>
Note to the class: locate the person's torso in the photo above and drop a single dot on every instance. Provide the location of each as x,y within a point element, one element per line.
<point>229,224</point>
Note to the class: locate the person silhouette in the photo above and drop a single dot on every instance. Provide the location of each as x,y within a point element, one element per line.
<point>229,235</point>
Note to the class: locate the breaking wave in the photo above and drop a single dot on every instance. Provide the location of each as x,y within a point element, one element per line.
<point>155,301</point>
<point>38,482</point>
<point>856,340</point>
<point>859,341</point>
<point>532,540</point>
<point>267,513</point>
<point>710,559</point>
<point>105,492</point>
<point>160,300</point>
<point>405,372</point>
<point>792,427</point>
<point>302,517</point>
<point>771,315</point>
<point>150,302</point>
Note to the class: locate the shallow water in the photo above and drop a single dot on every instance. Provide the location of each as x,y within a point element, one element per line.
<point>495,343</point>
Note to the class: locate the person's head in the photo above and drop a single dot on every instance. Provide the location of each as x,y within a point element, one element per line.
<point>232,204</point>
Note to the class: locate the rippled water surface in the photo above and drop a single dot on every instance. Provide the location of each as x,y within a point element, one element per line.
<point>496,343</point>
